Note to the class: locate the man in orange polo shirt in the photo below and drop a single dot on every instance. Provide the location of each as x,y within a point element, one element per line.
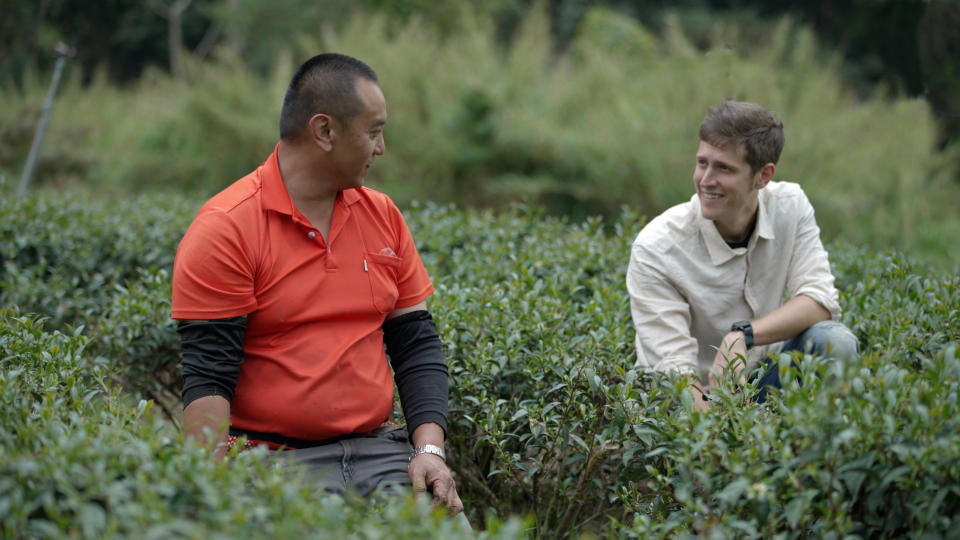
<point>289,283</point>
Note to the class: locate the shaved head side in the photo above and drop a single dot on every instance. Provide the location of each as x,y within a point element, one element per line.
<point>324,84</point>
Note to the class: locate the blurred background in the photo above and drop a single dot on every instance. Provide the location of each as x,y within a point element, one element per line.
<point>581,107</point>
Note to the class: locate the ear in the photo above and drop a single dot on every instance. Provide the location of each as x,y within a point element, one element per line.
<point>764,176</point>
<point>322,129</point>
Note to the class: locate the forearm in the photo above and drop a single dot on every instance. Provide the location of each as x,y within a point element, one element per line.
<point>419,368</point>
<point>789,320</point>
<point>428,433</point>
<point>207,420</point>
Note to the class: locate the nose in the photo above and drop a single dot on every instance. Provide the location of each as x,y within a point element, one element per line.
<point>380,147</point>
<point>705,176</point>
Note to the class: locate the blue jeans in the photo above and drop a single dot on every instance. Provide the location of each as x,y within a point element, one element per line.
<point>826,338</point>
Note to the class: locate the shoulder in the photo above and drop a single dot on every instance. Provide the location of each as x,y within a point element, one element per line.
<point>674,226</point>
<point>238,196</point>
<point>227,216</point>
<point>785,202</point>
<point>784,193</point>
<point>372,200</point>
<point>377,208</point>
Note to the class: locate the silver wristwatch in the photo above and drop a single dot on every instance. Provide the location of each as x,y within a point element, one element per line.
<point>429,449</point>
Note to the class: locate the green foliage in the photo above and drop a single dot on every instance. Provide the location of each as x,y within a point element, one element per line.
<point>473,120</point>
<point>104,265</point>
<point>534,322</point>
<point>870,452</point>
<point>549,417</point>
<point>80,460</point>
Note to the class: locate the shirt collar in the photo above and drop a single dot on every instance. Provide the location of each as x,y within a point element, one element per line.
<point>764,221</point>
<point>717,247</point>
<point>275,195</point>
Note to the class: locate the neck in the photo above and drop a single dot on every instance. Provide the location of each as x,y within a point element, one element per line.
<point>303,177</point>
<point>738,231</point>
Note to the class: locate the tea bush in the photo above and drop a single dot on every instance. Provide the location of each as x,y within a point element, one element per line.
<point>104,264</point>
<point>79,460</point>
<point>549,418</point>
<point>557,422</point>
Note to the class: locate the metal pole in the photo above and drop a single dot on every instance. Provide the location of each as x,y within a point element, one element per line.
<point>63,50</point>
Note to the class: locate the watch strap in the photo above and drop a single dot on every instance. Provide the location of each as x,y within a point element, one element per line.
<point>747,329</point>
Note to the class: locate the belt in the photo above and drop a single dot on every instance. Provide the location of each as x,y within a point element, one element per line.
<point>290,442</point>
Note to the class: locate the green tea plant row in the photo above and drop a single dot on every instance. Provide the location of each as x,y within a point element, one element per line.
<point>554,433</point>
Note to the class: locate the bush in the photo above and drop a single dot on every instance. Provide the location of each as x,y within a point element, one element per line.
<point>103,264</point>
<point>556,421</point>
<point>549,418</point>
<point>873,452</point>
<point>79,460</point>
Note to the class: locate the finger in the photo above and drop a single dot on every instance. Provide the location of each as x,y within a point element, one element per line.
<point>419,482</point>
<point>454,504</point>
<point>440,493</point>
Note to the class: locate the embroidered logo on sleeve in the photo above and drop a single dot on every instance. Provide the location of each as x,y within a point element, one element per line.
<point>388,252</point>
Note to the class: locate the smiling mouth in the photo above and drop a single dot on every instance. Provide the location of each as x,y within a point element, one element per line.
<point>711,196</point>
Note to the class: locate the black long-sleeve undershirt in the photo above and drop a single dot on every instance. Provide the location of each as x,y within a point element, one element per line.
<point>419,368</point>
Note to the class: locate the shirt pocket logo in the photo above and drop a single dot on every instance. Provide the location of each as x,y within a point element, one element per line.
<point>383,271</point>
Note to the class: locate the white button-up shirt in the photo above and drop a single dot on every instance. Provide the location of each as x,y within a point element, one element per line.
<point>687,286</point>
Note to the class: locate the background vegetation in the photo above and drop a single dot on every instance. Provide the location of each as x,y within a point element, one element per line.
<point>554,432</point>
<point>476,120</point>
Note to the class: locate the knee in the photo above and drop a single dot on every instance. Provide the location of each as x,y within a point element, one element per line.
<point>833,339</point>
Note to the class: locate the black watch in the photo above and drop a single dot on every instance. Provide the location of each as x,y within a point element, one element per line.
<point>747,329</point>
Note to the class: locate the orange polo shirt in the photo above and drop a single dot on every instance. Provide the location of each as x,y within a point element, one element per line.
<point>314,365</point>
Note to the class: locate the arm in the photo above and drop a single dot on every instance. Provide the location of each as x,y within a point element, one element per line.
<point>207,420</point>
<point>661,319</point>
<point>785,322</point>
<point>813,298</point>
<point>421,375</point>
<point>661,316</point>
<point>809,272</point>
<point>795,316</point>
<point>212,353</point>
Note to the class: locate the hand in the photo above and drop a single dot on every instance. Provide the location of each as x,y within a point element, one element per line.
<point>699,403</point>
<point>430,471</point>
<point>732,355</point>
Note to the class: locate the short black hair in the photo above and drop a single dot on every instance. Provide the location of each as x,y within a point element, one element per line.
<point>735,123</point>
<point>325,84</point>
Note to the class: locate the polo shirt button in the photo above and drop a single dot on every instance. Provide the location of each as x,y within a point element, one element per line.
<point>312,234</point>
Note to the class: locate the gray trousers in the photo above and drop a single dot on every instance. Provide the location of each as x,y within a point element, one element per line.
<point>360,465</point>
<point>375,463</point>
<point>826,338</point>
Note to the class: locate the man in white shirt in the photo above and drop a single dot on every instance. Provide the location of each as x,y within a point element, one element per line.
<point>708,278</point>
